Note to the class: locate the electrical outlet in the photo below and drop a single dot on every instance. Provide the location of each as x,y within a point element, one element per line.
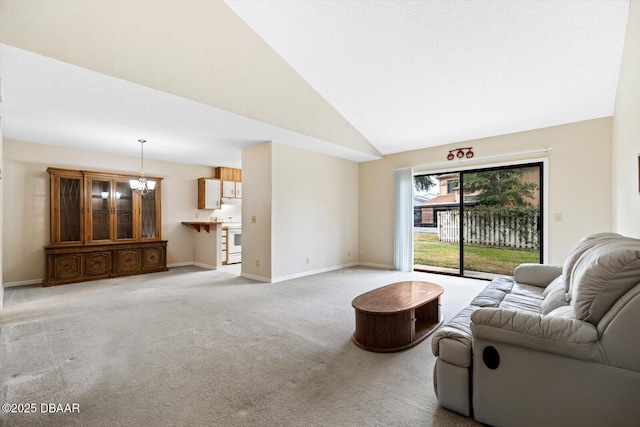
<point>307,260</point>
<point>558,217</point>
<point>253,219</point>
<point>258,263</point>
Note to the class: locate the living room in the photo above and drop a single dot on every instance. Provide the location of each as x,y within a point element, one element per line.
<point>592,181</point>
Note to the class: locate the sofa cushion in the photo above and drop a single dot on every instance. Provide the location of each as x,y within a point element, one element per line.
<point>458,329</point>
<point>554,296</point>
<point>576,252</point>
<point>536,274</point>
<point>521,302</point>
<point>603,274</point>
<point>563,311</point>
<point>494,293</point>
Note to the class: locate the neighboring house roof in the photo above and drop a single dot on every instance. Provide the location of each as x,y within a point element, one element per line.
<point>421,199</point>
<point>445,198</point>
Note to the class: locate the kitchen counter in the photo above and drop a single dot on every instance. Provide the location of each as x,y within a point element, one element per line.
<point>205,225</point>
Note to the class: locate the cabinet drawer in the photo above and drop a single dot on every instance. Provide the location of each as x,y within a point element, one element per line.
<point>97,263</point>
<point>152,258</point>
<point>67,267</point>
<point>127,260</point>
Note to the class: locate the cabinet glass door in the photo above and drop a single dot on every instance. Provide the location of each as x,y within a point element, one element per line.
<point>70,209</point>
<point>149,220</point>
<point>124,211</point>
<point>100,210</point>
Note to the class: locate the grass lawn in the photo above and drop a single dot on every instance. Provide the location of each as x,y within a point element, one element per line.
<point>428,250</point>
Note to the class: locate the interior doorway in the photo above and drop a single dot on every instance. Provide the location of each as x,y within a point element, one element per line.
<point>479,223</point>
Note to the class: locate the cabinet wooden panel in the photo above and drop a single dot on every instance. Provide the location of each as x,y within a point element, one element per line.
<point>66,267</point>
<point>101,228</point>
<point>98,263</point>
<point>209,193</point>
<point>228,174</point>
<point>152,258</point>
<point>127,260</point>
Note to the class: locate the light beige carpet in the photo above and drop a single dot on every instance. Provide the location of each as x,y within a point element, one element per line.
<point>195,347</point>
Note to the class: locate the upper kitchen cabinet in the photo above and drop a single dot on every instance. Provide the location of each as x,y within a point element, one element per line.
<point>228,174</point>
<point>209,193</point>
<point>100,228</point>
<point>231,182</point>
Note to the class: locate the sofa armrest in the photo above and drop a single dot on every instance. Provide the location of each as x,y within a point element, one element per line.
<point>551,334</point>
<point>536,274</point>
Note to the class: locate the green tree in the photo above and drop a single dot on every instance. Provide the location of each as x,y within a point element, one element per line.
<point>424,182</point>
<point>501,187</point>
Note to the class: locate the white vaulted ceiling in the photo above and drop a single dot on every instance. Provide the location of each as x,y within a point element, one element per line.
<point>413,74</point>
<point>201,80</point>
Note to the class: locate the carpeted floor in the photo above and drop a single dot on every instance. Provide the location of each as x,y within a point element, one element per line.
<point>194,347</point>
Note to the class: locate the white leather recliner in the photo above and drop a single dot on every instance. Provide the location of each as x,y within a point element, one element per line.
<point>552,346</point>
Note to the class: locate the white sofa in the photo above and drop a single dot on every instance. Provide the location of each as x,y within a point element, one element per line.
<point>555,345</point>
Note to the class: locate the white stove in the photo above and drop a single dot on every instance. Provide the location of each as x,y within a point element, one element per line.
<point>233,224</point>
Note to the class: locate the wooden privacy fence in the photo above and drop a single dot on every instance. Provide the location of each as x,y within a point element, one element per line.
<point>509,230</point>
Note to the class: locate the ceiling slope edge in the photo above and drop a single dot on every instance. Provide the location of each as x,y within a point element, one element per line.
<point>201,51</point>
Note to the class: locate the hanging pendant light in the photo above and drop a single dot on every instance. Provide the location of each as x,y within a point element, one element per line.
<point>141,185</point>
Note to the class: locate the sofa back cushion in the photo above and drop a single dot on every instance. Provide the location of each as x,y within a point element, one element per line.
<point>576,252</point>
<point>602,275</point>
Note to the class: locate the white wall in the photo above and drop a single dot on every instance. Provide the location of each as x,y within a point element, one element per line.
<point>626,132</point>
<point>314,212</point>
<point>306,209</point>
<point>26,218</point>
<point>579,188</point>
<point>256,202</point>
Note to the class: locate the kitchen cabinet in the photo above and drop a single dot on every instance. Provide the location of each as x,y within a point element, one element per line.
<point>100,228</point>
<point>231,190</point>
<point>209,193</point>
<point>231,182</point>
<point>228,174</point>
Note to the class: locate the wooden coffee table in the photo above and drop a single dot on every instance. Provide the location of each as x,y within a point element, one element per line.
<point>397,316</point>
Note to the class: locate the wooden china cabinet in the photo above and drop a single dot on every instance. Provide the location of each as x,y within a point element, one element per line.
<point>100,228</point>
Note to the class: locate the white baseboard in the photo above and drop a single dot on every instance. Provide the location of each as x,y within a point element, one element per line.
<point>209,266</point>
<point>180,264</point>
<point>23,283</point>
<point>312,272</point>
<point>370,264</point>
<point>254,277</point>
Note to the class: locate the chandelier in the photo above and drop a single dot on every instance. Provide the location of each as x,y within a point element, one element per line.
<point>141,185</point>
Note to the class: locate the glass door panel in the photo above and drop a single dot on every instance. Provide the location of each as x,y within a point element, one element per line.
<point>100,210</point>
<point>478,223</point>
<point>124,211</point>
<point>501,220</point>
<point>70,209</point>
<point>149,220</point>
<point>436,223</point>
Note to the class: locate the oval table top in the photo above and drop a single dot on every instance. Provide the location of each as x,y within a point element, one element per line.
<point>397,297</point>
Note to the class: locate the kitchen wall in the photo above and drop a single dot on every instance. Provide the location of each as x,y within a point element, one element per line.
<point>26,218</point>
<point>579,174</point>
<point>306,209</point>
<point>626,132</point>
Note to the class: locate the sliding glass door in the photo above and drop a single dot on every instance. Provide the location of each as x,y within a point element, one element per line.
<point>478,223</point>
